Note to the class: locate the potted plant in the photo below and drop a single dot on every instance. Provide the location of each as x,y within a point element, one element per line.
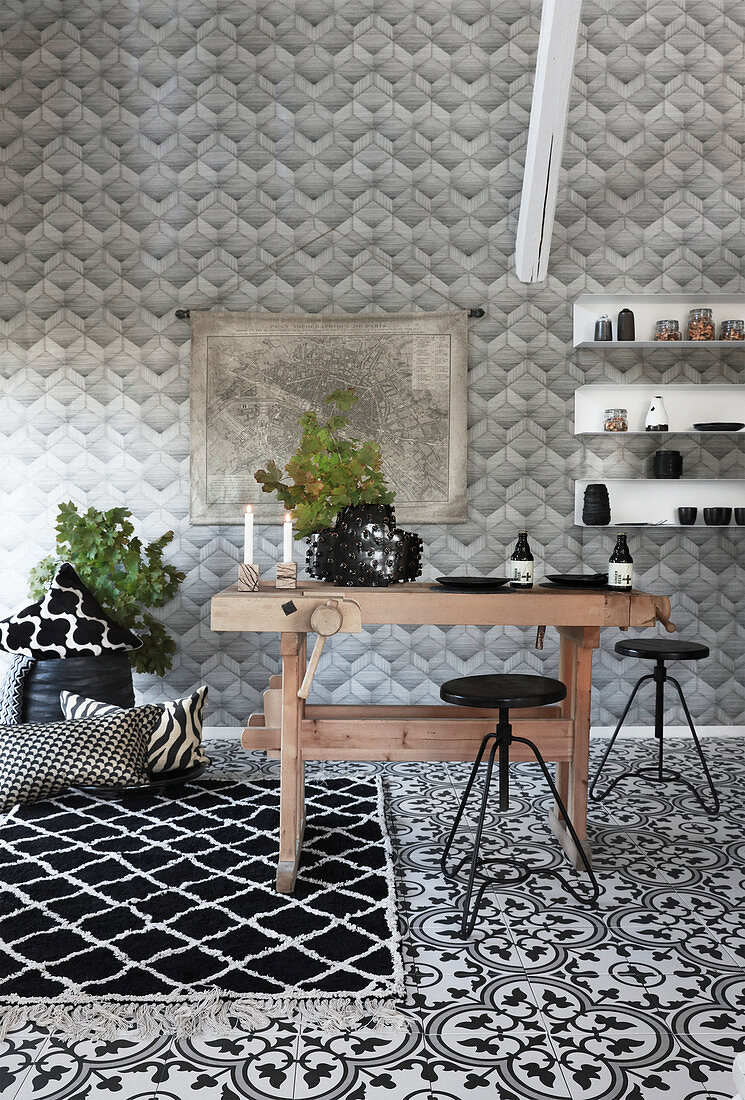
<point>336,490</point>
<point>129,579</point>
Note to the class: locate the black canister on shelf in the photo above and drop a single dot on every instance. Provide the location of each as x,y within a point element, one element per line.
<point>596,505</point>
<point>625,329</point>
<point>667,464</point>
<point>603,328</point>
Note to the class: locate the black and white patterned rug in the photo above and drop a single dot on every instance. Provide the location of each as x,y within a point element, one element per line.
<point>160,910</point>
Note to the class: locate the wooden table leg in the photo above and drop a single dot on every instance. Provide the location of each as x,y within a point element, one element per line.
<point>292,765</point>
<point>573,778</point>
<point>567,670</point>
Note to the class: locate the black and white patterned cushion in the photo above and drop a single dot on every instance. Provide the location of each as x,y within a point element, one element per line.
<point>67,621</point>
<point>41,761</point>
<point>12,688</point>
<point>176,741</point>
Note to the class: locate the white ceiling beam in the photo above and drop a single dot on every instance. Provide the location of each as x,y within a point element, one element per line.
<point>548,120</point>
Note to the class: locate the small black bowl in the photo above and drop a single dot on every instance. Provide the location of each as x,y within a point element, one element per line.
<point>717,517</point>
<point>740,517</point>
<point>687,516</point>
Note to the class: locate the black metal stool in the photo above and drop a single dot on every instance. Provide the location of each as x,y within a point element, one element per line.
<point>502,693</point>
<point>659,650</point>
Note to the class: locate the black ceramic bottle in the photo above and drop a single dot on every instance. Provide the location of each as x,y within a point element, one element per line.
<point>625,325</point>
<point>621,567</point>
<point>521,563</point>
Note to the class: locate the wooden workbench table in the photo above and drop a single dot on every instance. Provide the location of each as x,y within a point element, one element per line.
<point>296,732</point>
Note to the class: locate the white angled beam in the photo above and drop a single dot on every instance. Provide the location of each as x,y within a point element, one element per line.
<point>548,120</point>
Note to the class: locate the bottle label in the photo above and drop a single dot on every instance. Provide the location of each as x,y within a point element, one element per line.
<point>621,574</point>
<point>521,573</point>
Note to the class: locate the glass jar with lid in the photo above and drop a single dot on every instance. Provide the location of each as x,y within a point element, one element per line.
<point>615,420</point>
<point>700,324</point>
<point>667,330</point>
<point>732,330</point>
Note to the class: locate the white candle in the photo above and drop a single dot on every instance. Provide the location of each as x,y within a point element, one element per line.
<point>248,536</point>
<point>287,536</point>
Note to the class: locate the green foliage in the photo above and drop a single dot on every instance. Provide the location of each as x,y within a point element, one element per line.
<point>328,471</point>
<point>125,576</point>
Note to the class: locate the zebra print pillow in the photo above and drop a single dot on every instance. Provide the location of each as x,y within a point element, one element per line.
<point>175,742</point>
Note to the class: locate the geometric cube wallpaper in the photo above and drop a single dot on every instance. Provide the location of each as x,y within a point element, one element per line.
<point>183,154</point>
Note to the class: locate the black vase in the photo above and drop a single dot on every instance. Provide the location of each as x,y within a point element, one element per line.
<point>107,678</point>
<point>364,548</point>
<point>596,506</point>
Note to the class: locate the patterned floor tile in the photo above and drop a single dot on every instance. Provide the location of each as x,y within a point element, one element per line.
<point>19,1050</point>
<point>611,1064</point>
<point>227,1067</point>
<point>362,1066</point>
<point>131,1069</point>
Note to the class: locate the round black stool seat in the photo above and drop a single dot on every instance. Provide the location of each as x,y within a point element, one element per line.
<point>503,691</point>
<point>660,649</point>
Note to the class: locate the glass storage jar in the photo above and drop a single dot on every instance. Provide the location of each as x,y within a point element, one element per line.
<point>732,330</point>
<point>700,324</point>
<point>615,420</point>
<point>667,330</point>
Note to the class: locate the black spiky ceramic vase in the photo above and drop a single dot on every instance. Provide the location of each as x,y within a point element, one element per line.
<point>364,548</point>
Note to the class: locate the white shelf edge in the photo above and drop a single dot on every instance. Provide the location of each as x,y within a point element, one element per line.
<point>676,345</point>
<point>665,435</point>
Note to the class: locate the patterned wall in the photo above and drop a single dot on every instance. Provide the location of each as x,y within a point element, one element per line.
<point>167,153</point>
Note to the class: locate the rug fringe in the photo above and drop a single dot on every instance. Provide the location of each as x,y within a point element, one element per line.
<point>209,1014</point>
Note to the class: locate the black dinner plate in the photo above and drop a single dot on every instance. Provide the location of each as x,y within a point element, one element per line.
<point>480,584</point>
<point>579,580</point>
<point>167,779</point>
<point>720,426</point>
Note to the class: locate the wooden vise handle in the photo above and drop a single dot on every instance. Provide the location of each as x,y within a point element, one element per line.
<point>325,620</point>
<point>662,618</point>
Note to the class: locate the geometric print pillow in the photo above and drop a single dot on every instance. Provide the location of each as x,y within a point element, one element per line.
<point>67,621</point>
<point>176,741</point>
<point>39,761</point>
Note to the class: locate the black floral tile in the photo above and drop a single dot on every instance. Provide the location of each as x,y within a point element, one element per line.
<point>364,1065</point>
<point>256,1066</point>
<point>128,1068</point>
<point>19,1051</point>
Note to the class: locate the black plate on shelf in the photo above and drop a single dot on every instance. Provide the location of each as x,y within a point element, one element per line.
<point>473,584</point>
<point>167,779</point>
<point>720,426</point>
<point>579,580</point>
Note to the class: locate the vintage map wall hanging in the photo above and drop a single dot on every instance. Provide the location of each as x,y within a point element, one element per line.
<point>253,374</point>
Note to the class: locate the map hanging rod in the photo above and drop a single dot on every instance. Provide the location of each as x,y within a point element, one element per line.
<point>476,312</point>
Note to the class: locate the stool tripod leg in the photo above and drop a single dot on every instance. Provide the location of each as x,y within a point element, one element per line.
<point>464,800</point>
<point>614,735</point>
<point>568,822</point>
<point>700,751</point>
<point>467,925</point>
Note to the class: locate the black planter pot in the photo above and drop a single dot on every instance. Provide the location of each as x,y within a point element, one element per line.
<point>108,679</point>
<point>364,548</point>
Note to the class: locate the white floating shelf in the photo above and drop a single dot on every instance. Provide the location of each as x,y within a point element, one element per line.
<point>649,308</point>
<point>652,501</point>
<point>685,404</point>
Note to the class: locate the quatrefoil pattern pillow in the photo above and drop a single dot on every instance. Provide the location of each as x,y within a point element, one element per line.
<point>67,621</point>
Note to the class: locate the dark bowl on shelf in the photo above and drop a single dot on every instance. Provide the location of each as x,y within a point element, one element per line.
<point>740,517</point>
<point>717,517</point>
<point>687,516</point>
